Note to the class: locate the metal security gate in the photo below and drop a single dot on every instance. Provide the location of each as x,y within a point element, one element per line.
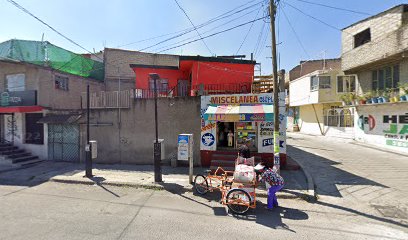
<point>339,117</point>
<point>63,142</point>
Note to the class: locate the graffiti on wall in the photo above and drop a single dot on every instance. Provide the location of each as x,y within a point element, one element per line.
<point>12,128</point>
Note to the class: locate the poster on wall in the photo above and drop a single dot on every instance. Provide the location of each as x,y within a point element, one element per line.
<point>208,139</point>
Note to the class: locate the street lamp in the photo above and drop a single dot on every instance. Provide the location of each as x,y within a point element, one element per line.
<point>157,145</point>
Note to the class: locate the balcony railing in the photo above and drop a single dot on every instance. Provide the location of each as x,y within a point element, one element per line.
<point>196,90</point>
<point>113,99</point>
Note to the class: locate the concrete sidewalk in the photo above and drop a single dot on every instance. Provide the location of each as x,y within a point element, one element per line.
<point>137,176</point>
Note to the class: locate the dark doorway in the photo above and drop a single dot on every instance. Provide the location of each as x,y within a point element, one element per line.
<point>225,135</point>
<point>34,132</point>
<point>183,88</point>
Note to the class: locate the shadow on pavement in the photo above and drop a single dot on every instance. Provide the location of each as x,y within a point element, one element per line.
<point>210,196</point>
<point>381,219</point>
<point>273,218</point>
<point>39,173</point>
<point>325,174</point>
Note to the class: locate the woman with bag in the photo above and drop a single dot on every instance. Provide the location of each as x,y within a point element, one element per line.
<point>274,183</point>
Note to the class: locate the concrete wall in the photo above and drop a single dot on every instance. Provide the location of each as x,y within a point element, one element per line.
<point>371,128</point>
<point>389,36</point>
<point>43,80</point>
<point>117,63</point>
<point>301,93</point>
<point>132,143</point>
<point>365,77</point>
<point>308,123</point>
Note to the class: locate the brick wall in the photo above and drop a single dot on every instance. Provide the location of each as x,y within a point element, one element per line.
<point>306,67</point>
<point>389,36</point>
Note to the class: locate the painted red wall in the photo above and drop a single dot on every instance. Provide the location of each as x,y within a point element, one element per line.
<point>218,74</point>
<point>142,76</point>
<point>222,73</point>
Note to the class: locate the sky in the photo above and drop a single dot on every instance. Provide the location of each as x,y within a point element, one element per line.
<point>95,24</point>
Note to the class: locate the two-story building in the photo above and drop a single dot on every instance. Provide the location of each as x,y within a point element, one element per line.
<point>316,88</point>
<point>376,50</point>
<point>196,75</point>
<point>40,100</point>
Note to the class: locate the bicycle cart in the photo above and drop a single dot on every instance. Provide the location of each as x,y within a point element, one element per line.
<point>237,187</point>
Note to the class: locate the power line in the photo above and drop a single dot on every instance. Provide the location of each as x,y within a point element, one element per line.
<point>294,32</point>
<point>211,35</point>
<point>249,30</point>
<point>333,7</point>
<point>319,20</point>
<point>189,19</point>
<point>218,26</point>
<point>190,29</point>
<point>261,49</point>
<point>259,39</point>
<point>200,26</point>
<point>50,27</point>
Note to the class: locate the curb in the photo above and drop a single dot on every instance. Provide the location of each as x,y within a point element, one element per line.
<point>154,186</point>
<point>310,193</point>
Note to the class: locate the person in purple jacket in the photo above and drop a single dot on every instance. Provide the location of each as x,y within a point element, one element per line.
<point>275,182</point>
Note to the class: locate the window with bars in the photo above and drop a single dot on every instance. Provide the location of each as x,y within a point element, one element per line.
<point>346,84</point>
<point>61,83</point>
<point>384,78</point>
<point>161,84</point>
<point>320,82</point>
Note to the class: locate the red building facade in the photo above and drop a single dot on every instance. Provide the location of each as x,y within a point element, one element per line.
<point>195,73</point>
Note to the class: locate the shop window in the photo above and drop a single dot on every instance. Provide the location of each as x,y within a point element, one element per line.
<point>161,84</point>
<point>362,38</point>
<point>346,84</point>
<point>61,83</point>
<point>34,132</point>
<point>385,78</point>
<point>15,82</point>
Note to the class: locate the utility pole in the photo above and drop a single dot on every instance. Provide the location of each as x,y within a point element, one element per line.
<point>157,145</point>
<point>88,160</point>
<point>272,11</point>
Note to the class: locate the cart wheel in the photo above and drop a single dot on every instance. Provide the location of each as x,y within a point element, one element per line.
<point>201,184</point>
<point>238,201</point>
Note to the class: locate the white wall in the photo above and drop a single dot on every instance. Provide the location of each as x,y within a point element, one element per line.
<point>37,150</point>
<point>300,93</point>
<point>376,133</point>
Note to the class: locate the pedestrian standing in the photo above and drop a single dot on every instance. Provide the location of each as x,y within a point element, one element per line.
<point>230,138</point>
<point>274,183</point>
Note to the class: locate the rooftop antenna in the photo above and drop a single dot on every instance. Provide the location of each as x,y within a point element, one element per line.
<point>42,38</point>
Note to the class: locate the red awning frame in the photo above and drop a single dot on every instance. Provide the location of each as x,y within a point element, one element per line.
<point>21,109</point>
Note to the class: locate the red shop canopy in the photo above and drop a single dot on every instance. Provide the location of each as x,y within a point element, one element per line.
<point>21,109</point>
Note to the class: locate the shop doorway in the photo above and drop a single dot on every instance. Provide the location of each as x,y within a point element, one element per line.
<point>225,136</point>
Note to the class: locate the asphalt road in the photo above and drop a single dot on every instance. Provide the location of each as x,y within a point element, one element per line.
<point>65,211</point>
